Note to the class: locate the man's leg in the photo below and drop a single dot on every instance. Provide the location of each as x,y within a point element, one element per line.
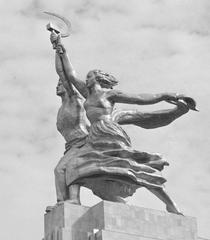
<point>60,181</point>
<point>74,194</point>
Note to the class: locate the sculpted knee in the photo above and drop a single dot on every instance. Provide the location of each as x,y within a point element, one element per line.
<point>56,171</point>
<point>59,169</point>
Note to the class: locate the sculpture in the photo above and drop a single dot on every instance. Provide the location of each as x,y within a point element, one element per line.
<point>100,156</point>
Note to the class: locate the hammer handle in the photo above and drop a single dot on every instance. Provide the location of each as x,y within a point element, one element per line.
<point>54,44</point>
<point>59,41</point>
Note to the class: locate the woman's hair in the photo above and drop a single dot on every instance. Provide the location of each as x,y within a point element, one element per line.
<point>106,80</point>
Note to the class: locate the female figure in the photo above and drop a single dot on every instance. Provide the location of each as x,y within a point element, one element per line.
<point>107,164</point>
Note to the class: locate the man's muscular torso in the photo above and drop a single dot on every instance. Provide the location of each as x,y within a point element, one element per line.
<point>71,119</point>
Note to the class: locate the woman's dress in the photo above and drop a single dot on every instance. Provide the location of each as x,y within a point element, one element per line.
<point>109,166</point>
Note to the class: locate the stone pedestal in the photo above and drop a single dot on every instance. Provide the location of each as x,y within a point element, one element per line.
<point>116,221</point>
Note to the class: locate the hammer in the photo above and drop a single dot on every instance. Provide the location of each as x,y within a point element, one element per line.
<point>50,27</point>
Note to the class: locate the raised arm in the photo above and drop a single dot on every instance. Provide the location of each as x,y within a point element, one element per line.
<point>69,70</point>
<point>61,73</point>
<point>140,99</point>
<point>59,65</point>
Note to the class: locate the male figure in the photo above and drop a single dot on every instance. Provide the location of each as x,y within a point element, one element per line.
<point>72,124</point>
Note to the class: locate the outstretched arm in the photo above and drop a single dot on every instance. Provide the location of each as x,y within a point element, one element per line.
<point>150,120</point>
<point>141,99</point>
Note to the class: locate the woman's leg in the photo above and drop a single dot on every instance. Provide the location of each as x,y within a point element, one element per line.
<point>163,196</point>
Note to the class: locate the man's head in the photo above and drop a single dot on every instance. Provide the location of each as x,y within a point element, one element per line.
<point>60,90</point>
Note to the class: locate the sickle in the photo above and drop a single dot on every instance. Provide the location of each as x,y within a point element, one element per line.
<point>65,20</point>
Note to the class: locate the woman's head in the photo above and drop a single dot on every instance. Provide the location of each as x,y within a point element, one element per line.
<point>104,79</point>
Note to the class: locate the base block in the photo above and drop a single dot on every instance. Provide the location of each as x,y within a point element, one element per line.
<point>114,221</point>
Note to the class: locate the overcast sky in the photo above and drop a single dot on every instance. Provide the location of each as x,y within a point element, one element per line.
<point>150,46</point>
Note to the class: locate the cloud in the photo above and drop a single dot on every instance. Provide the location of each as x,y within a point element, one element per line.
<point>150,46</point>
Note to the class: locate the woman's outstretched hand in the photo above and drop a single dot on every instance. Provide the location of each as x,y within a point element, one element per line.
<point>175,98</point>
<point>190,102</point>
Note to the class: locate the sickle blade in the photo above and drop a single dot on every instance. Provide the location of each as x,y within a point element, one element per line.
<point>65,20</point>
